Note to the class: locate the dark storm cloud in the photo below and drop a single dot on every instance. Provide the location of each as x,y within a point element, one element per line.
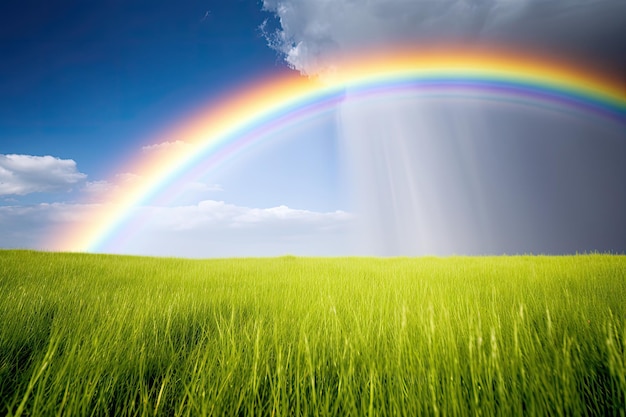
<point>588,30</point>
<point>311,32</point>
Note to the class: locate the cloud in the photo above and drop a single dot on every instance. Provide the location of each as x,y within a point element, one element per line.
<point>105,186</point>
<point>98,187</point>
<point>217,229</point>
<point>127,178</point>
<point>165,146</point>
<point>210,215</point>
<point>313,33</point>
<point>207,229</point>
<point>25,174</point>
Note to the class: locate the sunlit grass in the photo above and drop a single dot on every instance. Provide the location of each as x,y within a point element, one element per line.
<point>108,335</point>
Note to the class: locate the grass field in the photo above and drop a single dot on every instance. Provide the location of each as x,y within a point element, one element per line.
<point>109,335</point>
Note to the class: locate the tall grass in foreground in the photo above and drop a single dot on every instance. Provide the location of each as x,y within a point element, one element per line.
<point>107,335</point>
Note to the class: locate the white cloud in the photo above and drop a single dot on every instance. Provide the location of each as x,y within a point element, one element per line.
<point>127,177</point>
<point>213,215</point>
<point>25,174</point>
<point>206,229</point>
<point>314,33</point>
<point>217,229</point>
<point>98,187</point>
<point>118,180</point>
<point>165,146</point>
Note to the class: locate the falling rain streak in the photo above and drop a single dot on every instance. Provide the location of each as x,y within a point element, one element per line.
<point>442,176</point>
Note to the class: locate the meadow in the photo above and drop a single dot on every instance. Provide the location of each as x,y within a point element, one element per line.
<point>132,336</point>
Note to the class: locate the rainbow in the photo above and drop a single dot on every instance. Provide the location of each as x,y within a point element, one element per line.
<point>251,114</point>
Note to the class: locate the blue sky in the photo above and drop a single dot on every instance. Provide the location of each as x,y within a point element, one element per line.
<point>92,81</point>
<point>96,82</point>
<point>84,86</point>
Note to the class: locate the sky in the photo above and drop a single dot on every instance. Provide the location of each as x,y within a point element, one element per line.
<point>88,87</point>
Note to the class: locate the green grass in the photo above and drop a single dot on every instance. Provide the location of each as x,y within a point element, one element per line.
<point>109,335</point>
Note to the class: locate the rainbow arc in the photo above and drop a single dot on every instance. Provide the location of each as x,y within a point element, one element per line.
<point>249,115</point>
